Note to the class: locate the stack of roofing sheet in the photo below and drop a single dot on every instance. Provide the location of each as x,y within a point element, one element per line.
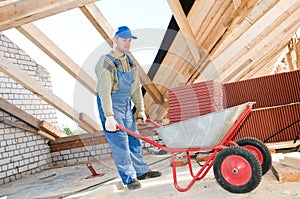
<point>194,100</point>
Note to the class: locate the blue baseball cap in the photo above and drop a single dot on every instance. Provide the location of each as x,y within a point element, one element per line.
<point>124,32</point>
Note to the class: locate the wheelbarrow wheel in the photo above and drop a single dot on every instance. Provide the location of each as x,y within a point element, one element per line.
<point>261,151</point>
<point>237,170</point>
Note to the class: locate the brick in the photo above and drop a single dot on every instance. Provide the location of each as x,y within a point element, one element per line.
<point>23,168</point>
<point>4,161</point>
<point>65,152</point>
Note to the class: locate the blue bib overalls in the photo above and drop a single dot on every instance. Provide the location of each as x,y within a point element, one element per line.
<point>126,149</point>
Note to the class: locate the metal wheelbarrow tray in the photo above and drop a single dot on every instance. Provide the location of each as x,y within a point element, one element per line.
<point>238,166</point>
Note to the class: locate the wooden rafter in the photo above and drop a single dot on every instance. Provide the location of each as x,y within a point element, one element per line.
<point>26,11</point>
<point>257,37</point>
<point>185,28</point>
<point>33,124</point>
<point>94,15</point>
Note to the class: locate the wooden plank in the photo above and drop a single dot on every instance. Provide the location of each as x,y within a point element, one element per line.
<point>47,135</point>
<point>52,130</point>
<point>247,9</point>
<point>210,20</point>
<point>22,78</point>
<point>285,173</point>
<point>198,14</point>
<point>88,121</point>
<point>235,31</point>
<point>267,63</point>
<point>268,46</point>
<point>60,57</point>
<point>261,27</point>
<point>18,125</point>
<point>216,28</point>
<point>291,161</point>
<point>297,52</point>
<point>18,113</point>
<point>261,8</point>
<point>236,3</point>
<point>23,116</point>
<point>255,33</point>
<point>99,22</point>
<point>185,28</point>
<point>26,11</point>
<point>283,145</point>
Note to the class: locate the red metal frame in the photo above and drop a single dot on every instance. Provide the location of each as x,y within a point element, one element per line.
<point>226,141</point>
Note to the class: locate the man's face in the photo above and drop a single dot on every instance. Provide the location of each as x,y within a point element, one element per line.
<point>123,44</point>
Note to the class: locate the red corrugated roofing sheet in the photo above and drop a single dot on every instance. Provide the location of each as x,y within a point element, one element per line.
<point>266,122</point>
<point>267,91</point>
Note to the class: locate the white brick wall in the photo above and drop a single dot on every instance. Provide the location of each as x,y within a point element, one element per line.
<point>22,152</point>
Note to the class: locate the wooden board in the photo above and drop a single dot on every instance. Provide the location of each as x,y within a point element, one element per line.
<point>283,145</point>
<point>291,161</point>
<point>285,173</point>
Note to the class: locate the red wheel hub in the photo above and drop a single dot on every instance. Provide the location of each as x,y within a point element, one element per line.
<point>257,153</point>
<point>236,170</point>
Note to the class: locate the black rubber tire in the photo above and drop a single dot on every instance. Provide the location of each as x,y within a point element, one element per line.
<point>267,157</point>
<point>245,155</point>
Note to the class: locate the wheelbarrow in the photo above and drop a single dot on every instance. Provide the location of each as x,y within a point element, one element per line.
<point>237,166</point>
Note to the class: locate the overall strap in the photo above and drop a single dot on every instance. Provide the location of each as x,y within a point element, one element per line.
<point>129,60</point>
<point>112,59</point>
<point>116,63</point>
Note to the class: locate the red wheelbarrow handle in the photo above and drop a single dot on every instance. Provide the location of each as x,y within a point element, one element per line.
<point>122,128</point>
<point>153,123</point>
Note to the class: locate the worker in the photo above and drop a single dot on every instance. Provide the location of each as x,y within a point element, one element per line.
<point>118,86</point>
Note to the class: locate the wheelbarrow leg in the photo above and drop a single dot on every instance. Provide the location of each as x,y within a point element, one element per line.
<point>201,173</point>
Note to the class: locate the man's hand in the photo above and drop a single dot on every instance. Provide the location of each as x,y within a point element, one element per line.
<point>141,118</point>
<point>111,124</point>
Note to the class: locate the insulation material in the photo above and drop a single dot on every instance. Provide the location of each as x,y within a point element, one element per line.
<point>266,122</point>
<point>267,91</point>
<point>193,100</point>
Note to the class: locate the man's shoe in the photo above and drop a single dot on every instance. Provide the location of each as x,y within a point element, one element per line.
<point>135,184</point>
<point>150,174</point>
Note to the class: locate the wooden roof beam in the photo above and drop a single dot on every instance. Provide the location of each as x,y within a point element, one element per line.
<point>34,125</point>
<point>26,11</point>
<point>185,28</point>
<point>94,15</point>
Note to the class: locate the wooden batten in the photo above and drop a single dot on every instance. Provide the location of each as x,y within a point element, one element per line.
<point>18,113</point>
<point>47,135</point>
<point>285,173</point>
<point>52,130</point>
<point>22,12</point>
